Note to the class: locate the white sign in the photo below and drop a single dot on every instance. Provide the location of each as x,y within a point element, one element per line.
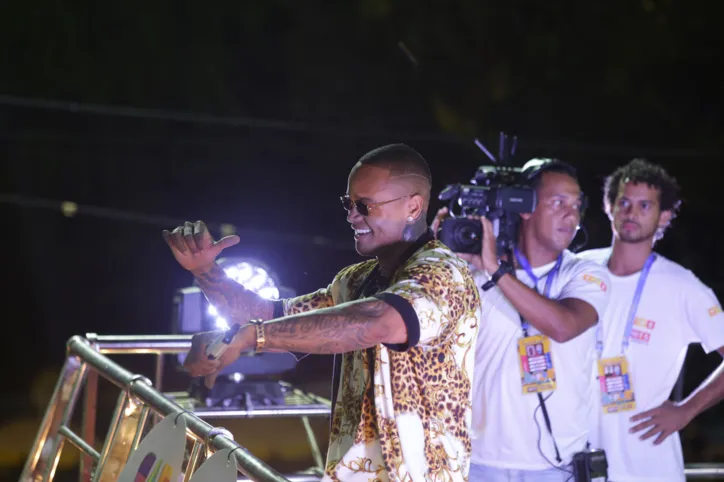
<point>160,454</point>
<point>217,468</point>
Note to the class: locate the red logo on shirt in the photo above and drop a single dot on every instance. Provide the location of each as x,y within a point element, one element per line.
<point>598,281</point>
<point>640,336</point>
<point>714,310</point>
<point>643,330</point>
<point>644,323</point>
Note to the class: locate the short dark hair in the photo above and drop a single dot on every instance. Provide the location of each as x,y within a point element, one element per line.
<point>400,159</point>
<point>642,171</point>
<point>535,174</point>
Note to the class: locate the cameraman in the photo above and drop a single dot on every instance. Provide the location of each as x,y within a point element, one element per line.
<point>527,422</point>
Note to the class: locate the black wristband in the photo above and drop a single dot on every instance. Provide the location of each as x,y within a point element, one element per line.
<point>505,268</point>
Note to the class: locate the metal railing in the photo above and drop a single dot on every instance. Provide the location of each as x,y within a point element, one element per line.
<point>160,345</point>
<point>132,409</point>
<point>704,471</point>
<point>137,397</point>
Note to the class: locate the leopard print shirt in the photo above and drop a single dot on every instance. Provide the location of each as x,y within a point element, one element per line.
<point>417,428</point>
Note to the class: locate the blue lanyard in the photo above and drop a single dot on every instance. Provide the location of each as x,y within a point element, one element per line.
<point>523,262</point>
<point>632,311</point>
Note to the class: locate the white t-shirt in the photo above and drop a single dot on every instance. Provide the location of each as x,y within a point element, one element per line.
<point>505,434</point>
<point>675,309</point>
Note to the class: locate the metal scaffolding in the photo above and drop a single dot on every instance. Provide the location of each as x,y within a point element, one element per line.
<point>161,345</point>
<point>136,399</point>
<point>86,361</point>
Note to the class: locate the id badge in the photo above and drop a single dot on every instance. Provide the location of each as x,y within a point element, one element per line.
<point>614,378</point>
<point>536,365</point>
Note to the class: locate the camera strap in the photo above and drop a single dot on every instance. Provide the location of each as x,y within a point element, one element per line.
<point>632,310</point>
<point>544,410</point>
<point>550,275</point>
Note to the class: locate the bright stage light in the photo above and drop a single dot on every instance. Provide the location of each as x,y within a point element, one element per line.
<point>219,322</point>
<point>250,274</point>
<point>254,277</point>
<point>194,313</point>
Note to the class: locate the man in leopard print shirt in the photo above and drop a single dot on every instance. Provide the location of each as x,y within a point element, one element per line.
<point>403,324</point>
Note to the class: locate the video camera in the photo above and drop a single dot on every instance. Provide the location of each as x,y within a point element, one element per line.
<point>498,192</point>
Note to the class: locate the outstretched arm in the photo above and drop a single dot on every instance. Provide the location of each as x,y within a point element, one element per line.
<point>414,311</point>
<point>347,327</point>
<point>232,301</point>
<point>195,250</point>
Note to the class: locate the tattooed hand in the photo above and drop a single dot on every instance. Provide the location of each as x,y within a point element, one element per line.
<point>194,248</point>
<point>198,364</point>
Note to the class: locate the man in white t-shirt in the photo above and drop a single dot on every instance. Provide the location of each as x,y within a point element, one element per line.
<point>560,297</point>
<point>643,345</point>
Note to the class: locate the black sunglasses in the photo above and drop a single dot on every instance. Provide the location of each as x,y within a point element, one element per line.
<point>364,208</point>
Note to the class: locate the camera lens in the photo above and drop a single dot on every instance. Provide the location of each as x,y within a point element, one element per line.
<point>461,235</point>
<point>467,234</point>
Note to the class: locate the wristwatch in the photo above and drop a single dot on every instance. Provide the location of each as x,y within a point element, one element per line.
<point>260,339</point>
<point>504,268</point>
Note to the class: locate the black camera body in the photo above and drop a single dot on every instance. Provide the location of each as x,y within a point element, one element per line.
<point>499,193</point>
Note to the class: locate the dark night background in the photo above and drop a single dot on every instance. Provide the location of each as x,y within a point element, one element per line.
<point>252,113</point>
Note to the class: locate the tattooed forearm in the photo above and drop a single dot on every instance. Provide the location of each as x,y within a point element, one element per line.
<point>232,300</point>
<point>352,326</point>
